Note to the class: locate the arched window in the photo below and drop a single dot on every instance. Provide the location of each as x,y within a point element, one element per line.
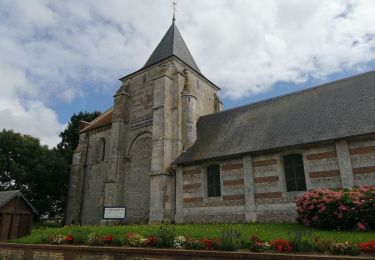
<point>100,150</point>
<point>103,149</point>
<point>213,181</point>
<point>294,173</point>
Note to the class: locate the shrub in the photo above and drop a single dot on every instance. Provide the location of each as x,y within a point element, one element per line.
<point>179,242</point>
<point>257,245</point>
<point>165,237</point>
<point>56,239</point>
<point>211,244</point>
<point>69,239</point>
<point>107,239</point>
<point>346,248</point>
<point>347,209</point>
<point>367,247</point>
<point>301,240</point>
<point>134,239</point>
<point>150,241</point>
<point>94,239</point>
<point>281,245</point>
<point>322,245</point>
<point>194,244</point>
<point>230,240</point>
<point>117,241</point>
<point>79,237</point>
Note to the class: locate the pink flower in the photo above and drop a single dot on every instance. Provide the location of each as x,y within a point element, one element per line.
<point>343,208</point>
<point>311,207</point>
<point>361,226</point>
<point>323,208</point>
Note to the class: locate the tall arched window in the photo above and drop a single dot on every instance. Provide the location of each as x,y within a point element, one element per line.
<point>103,149</point>
<point>100,150</point>
<point>213,181</point>
<point>294,172</point>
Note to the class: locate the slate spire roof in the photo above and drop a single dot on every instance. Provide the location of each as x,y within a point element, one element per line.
<point>172,44</point>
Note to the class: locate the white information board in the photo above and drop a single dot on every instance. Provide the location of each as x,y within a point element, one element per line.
<point>114,213</point>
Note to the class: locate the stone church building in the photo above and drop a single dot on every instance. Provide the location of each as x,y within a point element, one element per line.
<point>167,152</point>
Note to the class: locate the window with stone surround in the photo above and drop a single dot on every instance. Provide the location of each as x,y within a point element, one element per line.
<point>294,172</point>
<point>213,181</point>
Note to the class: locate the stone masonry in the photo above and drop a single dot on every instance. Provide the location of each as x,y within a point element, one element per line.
<point>150,152</point>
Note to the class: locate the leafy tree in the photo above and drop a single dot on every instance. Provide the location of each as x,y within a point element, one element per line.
<point>70,136</point>
<point>42,174</point>
<point>34,169</point>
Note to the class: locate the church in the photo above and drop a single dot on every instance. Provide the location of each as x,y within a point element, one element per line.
<point>167,152</point>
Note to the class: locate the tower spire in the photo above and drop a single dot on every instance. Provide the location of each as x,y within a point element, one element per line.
<point>174,3</point>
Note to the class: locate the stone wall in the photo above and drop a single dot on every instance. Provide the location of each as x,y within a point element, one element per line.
<point>50,252</point>
<point>263,190</point>
<point>96,173</point>
<point>147,132</point>
<point>362,155</point>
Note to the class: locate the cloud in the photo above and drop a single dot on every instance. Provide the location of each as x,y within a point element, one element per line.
<point>35,120</point>
<point>55,51</point>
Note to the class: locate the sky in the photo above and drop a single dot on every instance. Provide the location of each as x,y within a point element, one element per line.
<point>58,58</point>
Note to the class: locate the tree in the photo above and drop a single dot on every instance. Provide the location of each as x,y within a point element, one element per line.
<point>34,169</point>
<point>70,136</point>
<point>42,174</point>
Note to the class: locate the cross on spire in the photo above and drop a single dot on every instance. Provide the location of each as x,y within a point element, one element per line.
<point>174,3</point>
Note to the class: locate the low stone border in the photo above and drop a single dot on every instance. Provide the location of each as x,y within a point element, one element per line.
<point>66,252</point>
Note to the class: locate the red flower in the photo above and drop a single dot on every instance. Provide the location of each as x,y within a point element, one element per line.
<point>69,238</point>
<point>150,241</point>
<point>281,245</point>
<point>207,244</point>
<point>107,238</point>
<point>368,247</point>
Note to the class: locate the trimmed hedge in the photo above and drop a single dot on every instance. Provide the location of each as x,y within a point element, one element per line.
<point>348,209</point>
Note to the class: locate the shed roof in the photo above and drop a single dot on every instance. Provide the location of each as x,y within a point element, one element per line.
<point>334,110</point>
<point>6,196</point>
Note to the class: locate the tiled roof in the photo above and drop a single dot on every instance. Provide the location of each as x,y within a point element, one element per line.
<point>104,119</point>
<point>331,111</point>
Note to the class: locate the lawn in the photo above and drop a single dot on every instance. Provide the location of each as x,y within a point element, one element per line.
<point>199,231</point>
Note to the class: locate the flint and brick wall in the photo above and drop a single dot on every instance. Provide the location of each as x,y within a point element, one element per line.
<point>229,207</point>
<point>325,166</point>
<point>362,156</point>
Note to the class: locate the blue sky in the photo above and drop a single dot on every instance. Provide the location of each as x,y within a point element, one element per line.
<point>61,57</point>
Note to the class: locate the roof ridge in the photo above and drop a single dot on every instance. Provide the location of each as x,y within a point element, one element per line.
<point>308,89</point>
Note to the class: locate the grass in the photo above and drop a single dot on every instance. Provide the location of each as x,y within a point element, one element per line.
<point>199,231</point>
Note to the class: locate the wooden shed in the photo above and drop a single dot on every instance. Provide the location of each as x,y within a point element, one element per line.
<point>16,215</point>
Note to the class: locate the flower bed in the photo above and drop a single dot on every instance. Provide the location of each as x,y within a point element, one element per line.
<point>348,209</point>
<point>230,240</point>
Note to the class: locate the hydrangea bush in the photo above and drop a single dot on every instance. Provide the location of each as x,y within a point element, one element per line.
<point>347,209</point>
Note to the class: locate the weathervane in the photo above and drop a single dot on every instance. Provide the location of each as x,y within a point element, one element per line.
<point>174,3</point>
